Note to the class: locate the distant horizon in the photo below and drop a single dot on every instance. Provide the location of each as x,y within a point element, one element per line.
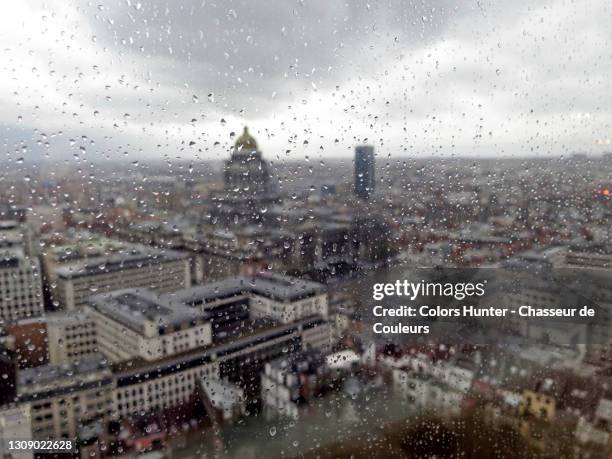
<point>349,158</point>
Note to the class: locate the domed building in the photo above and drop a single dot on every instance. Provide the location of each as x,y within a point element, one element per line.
<point>246,172</point>
<point>248,191</point>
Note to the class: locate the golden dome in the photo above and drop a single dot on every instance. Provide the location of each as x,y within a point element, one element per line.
<point>246,142</point>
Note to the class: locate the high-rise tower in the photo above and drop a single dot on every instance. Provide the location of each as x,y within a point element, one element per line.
<point>364,171</point>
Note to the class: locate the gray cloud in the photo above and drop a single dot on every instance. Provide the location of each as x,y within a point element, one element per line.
<point>312,78</point>
<point>244,52</point>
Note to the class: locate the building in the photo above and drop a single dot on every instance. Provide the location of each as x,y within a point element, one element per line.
<point>287,299</point>
<point>537,404</point>
<point>67,251</point>
<point>341,311</point>
<point>364,184</point>
<point>158,270</point>
<point>326,244</point>
<point>133,323</point>
<point>20,285</point>
<point>428,393</point>
<point>246,170</point>
<point>15,425</point>
<point>143,386</point>
<point>225,304</point>
<point>590,434</point>
<point>64,398</point>
<point>291,379</point>
<point>229,303</point>
<point>8,369</point>
<point>67,398</point>
<point>248,189</point>
<point>243,250</point>
<point>71,337</point>
<point>30,342</point>
<point>223,400</point>
<point>589,260</point>
<point>18,233</point>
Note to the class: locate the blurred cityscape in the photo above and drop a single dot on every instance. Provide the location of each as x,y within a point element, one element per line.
<point>208,309</point>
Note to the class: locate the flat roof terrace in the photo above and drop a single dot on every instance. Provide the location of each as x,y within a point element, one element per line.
<point>118,262</point>
<point>270,285</point>
<point>135,308</point>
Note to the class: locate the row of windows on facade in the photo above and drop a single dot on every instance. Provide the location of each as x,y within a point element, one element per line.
<point>25,298</point>
<point>100,407</point>
<point>189,377</point>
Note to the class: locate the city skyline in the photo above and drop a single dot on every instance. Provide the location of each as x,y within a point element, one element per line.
<point>305,229</point>
<point>146,301</point>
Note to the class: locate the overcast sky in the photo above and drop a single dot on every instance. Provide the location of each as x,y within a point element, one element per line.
<point>130,79</point>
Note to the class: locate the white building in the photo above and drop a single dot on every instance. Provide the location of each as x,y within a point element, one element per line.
<point>135,323</point>
<point>427,393</point>
<point>15,424</point>
<point>458,378</point>
<point>71,337</point>
<point>20,285</point>
<point>14,233</point>
<point>287,299</point>
<point>224,401</point>
<point>142,386</point>
<point>286,381</point>
<point>148,386</point>
<point>158,270</point>
<point>345,360</point>
<point>273,296</point>
<point>80,247</point>
<point>341,309</point>
<point>587,433</point>
<point>64,398</point>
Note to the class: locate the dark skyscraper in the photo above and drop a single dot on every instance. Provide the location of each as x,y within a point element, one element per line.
<point>364,171</point>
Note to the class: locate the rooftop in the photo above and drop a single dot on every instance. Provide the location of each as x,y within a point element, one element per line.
<point>138,367</point>
<point>136,258</point>
<point>9,225</point>
<point>299,362</point>
<point>275,286</point>
<point>50,373</point>
<point>64,317</point>
<point>134,308</point>
<point>222,394</point>
<point>246,142</point>
<point>11,257</point>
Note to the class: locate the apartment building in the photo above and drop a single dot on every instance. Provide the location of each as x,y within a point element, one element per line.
<point>287,381</point>
<point>71,337</point>
<point>228,303</point>
<point>20,285</point>
<point>287,299</point>
<point>136,323</point>
<point>158,270</point>
<point>65,398</point>
<point>15,425</point>
<point>69,250</point>
<point>143,386</point>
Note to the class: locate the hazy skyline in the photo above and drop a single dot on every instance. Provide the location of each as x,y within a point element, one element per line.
<point>309,78</point>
